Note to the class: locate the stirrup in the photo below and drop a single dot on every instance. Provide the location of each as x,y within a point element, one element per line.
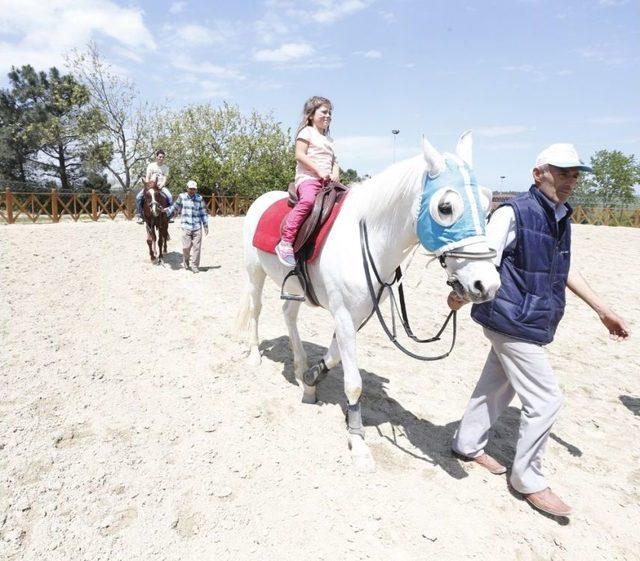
<point>288,295</point>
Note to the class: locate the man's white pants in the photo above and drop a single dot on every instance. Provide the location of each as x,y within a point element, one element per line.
<point>513,367</point>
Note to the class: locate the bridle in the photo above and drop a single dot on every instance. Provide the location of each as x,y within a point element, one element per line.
<point>369,267</point>
<point>457,254</point>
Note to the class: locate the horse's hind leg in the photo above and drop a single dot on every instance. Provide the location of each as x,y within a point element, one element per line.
<point>314,375</point>
<point>251,308</point>
<point>290,309</point>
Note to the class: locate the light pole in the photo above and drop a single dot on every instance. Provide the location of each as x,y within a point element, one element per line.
<point>394,132</point>
<point>502,178</point>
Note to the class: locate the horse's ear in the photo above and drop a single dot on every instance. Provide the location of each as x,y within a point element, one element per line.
<point>465,148</point>
<point>435,160</point>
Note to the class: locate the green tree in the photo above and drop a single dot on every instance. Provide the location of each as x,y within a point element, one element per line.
<point>20,119</point>
<point>51,114</point>
<point>119,141</point>
<point>225,151</point>
<point>612,181</point>
<point>350,176</point>
<point>96,181</point>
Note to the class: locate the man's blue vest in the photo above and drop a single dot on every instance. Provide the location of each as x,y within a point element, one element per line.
<point>533,273</point>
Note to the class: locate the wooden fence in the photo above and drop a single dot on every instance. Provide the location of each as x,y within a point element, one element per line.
<point>54,206</point>
<point>594,215</point>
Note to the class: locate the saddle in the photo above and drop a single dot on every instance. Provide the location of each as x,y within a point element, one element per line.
<point>304,247</point>
<point>327,197</point>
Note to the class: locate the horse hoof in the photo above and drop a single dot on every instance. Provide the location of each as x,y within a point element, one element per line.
<point>309,395</point>
<point>361,456</point>
<point>254,358</point>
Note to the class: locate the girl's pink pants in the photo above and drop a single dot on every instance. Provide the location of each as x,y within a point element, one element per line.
<point>307,191</point>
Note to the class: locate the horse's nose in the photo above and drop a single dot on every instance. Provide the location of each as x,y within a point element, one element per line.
<point>479,286</point>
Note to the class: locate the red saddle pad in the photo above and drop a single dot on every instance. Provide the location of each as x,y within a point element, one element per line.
<point>267,234</point>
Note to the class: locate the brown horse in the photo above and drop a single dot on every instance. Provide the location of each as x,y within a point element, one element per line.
<point>157,222</point>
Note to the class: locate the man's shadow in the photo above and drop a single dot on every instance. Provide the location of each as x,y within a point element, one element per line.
<point>174,260</point>
<point>378,408</point>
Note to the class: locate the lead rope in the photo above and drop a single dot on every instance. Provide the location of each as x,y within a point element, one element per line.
<point>369,265</point>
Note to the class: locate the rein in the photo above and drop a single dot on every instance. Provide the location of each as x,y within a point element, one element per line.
<point>369,265</point>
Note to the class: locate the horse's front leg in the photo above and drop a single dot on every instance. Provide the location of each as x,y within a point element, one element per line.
<point>150,244</point>
<point>290,309</point>
<point>160,248</point>
<point>346,340</point>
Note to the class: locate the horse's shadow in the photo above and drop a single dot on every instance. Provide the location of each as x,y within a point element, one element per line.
<point>631,403</point>
<point>378,408</point>
<point>173,259</point>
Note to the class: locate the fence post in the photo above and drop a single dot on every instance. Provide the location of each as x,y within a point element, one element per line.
<point>9,203</point>
<point>214,205</point>
<point>94,205</point>
<point>235,204</point>
<point>128,202</point>
<point>55,217</point>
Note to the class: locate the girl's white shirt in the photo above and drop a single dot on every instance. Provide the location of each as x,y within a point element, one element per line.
<point>320,151</point>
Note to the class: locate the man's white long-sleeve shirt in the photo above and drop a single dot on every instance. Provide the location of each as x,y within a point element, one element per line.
<point>501,229</point>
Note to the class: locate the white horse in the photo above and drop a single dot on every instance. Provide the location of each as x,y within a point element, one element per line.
<point>421,199</point>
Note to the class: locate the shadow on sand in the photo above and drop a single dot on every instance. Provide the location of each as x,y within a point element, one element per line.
<point>631,403</point>
<point>174,260</point>
<point>434,441</point>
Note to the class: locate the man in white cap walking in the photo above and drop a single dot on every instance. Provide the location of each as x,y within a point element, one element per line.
<point>194,220</point>
<point>532,237</point>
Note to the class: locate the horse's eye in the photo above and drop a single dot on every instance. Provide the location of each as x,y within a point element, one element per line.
<point>445,208</point>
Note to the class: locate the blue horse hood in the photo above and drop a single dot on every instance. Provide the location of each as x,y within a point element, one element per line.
<point>469,226</point>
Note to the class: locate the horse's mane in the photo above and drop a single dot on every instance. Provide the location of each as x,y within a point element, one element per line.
<point>381,193</point>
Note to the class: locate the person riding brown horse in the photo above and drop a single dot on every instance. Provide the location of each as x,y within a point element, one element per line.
<point>154,201</point>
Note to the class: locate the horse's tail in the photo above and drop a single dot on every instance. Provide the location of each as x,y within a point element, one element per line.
<point>244,314</point>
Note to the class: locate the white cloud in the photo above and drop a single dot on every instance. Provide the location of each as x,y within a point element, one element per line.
<point>331,11</point>
<point>209,88</point>
<point>183,62</point>
<point>194,34</point>
<point>389,17</point>
<point>128,54</point>
<point>602,54</point>
<point>192,88</point>
<point>536,73</point>
<point>609,3</point>
<point>501,130</point>
<point>319,62</point>
<point>177,7</point>
<point>317,11</point>
<point>270,28</point>
<point>285,53</point>
<point>369,54</point>
<point>39,33</point>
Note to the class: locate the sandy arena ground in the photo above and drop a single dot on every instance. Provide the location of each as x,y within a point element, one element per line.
<point>131,428</point>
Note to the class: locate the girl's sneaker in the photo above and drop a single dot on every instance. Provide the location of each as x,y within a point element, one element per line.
<point>284,251</point>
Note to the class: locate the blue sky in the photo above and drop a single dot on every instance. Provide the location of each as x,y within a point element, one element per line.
<point>521,74</point>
